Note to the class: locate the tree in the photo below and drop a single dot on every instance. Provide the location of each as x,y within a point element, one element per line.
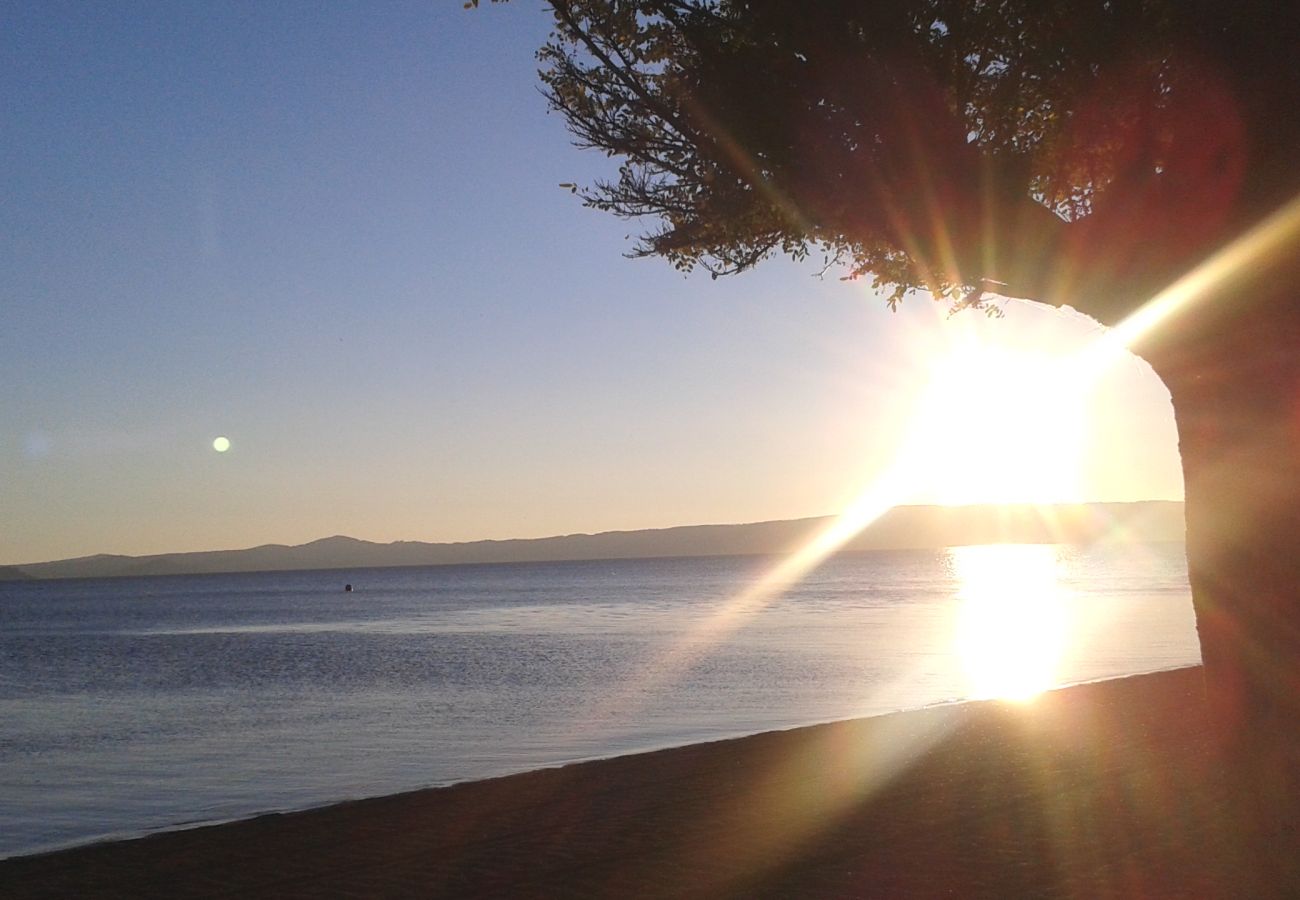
<point>1082,152</point>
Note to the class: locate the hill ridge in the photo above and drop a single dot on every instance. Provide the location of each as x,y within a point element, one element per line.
<point>901,528</point>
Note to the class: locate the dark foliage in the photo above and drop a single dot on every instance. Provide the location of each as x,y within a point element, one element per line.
<point>1028,148</point>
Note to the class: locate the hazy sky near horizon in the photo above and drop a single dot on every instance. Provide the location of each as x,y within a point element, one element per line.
<point>334,235</point>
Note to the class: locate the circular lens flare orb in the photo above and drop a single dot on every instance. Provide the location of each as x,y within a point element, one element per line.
<point>221,444</point>
<point>1011,619</point>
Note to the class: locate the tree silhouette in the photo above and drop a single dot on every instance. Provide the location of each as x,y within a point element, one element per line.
<point>1091,153</point>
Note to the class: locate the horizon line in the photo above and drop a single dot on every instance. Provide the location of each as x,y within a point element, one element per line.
<point>560,536</point>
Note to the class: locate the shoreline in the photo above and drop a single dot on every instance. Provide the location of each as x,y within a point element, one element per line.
<point>1061,796</point>
<point>126,835</point>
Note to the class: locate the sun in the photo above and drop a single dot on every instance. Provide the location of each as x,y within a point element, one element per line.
<point>1001,425</point>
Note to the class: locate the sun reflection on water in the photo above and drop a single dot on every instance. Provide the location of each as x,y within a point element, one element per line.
<point>1011,619</point>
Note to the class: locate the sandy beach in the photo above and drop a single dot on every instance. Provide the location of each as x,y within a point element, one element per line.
<point>1101,790</point>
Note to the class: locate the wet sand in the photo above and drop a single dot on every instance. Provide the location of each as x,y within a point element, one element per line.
<point>1102,790</point>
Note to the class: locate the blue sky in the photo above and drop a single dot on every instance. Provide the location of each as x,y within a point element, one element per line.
<point>335,235</point>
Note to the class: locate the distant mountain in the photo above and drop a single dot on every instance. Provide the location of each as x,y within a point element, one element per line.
<point>904,527</point>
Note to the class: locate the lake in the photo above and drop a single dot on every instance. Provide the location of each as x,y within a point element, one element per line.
<point>135,704</point>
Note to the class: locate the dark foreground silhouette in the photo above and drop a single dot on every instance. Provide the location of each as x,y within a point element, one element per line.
<point>1103,790</point>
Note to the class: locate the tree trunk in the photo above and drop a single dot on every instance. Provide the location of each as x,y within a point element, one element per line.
<point>1235,386</point>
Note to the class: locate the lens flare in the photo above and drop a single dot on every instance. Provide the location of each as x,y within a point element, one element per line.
<point>1273,238</point>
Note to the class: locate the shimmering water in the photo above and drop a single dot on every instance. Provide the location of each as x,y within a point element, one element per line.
<point>128,705</point>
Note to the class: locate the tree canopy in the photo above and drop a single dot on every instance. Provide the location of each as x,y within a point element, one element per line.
<point>1069,151</point>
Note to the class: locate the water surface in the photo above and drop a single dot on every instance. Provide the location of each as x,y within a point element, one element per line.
<point>134,704</point>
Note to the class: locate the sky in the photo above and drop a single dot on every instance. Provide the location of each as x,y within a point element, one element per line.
<point>334,235</point>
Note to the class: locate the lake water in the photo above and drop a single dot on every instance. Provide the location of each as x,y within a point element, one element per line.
<point>128,705</point>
